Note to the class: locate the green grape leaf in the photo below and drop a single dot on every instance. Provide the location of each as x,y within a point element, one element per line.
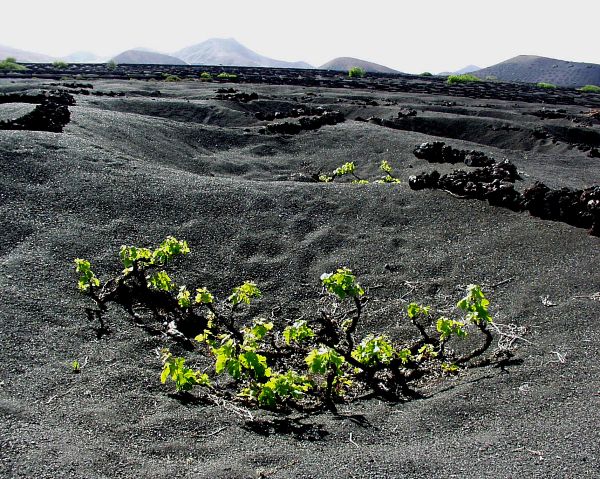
<point>298,332</point>
<point>447,327</point>
<point>385,167</point>
<point>280,387</point>
<point>414,310</point>
<point>203,296</point>
<point>260,328</point>
<point>427,351</point>
<point>205,337</point>
<point>475,305</point>
<point>184,378</point>
<point>202,379</point>
<point>184,297</point>
<point>405,355</point>
<point>221,363</point>
<point>244,293</point>
<point>342,283</point>
<point>168,249</point>
<point>256,363</point>
<point>87,279</point>
<point>267,395</point>
<point>223,354</point>
<point>374,349</point>
<point>345,169</point>
<point>317,361</point>
<point>161,280</point>
<point>131,255</point>
<point>234,368</point>
<point>388,179</point>
<point>450,368</point>
<point>335,358</point>
<point>165,373</point>
<point>320,360</point>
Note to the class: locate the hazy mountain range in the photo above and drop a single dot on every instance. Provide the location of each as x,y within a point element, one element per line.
<point>24,56</point>
<point>467,69</point>
<point>229,52</point>
<point>144,57</point>
<point>84,57</point>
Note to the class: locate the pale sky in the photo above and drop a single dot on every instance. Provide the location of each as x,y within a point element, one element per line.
<point>411,36</point>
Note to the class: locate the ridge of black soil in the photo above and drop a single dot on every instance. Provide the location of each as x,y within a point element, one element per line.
<point>381,82</point>
<point>51,113</point>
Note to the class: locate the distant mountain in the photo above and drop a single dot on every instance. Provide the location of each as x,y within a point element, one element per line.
<point>229,52</point>
<point>345,63</point>
<point>84,57</point>
<point>143,57</point>
<point>24,56</point>
<point>462,71</point>
<point>144,49</point>
<point>467,69</point>
<point>534,69</point>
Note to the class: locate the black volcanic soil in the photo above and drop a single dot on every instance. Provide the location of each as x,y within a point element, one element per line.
<point>173,159</point>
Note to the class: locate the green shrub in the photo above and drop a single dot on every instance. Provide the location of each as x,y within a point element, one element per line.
<point>349,168</point>
<point>389,175</point>
<point>463,78</point>
<point>590,89</point>
<point>356,72</point>
<point>205,76</point>
<point>87,279</point>
<point>184,378</point>
<point>426,74</point>
<point>60,64</point>
<point>307,363</point>
<point>11,64</point>
<point>547,86</point>
<point>227,76</point>
<point>111,65</point>
<point>171,78</point>
<point>75,367</point>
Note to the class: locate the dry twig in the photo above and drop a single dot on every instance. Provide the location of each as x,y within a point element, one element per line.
<point>509,334</point>
<point>352,441</point>
<point>504,281</point>
<point>593,296</point>
<point>561,357</point>
<point>546,301</point>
